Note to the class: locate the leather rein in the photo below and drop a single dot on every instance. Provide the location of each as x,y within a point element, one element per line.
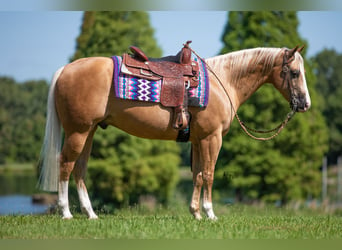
<point>286,75</point>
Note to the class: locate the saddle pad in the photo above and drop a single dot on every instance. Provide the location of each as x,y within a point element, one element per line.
<point>134,88</point>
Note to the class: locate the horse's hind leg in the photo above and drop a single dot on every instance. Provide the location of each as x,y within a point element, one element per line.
<point>72,148</point>
<point>79,173</point>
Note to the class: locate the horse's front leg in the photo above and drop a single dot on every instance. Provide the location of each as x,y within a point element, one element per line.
<point>204,159</point>
<point>209,150</point>
<point>197,182</point>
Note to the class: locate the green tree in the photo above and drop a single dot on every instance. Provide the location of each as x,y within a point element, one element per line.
<point>22,119</point>
<point>123,167</point>
<point>111,33</point>
<point>287,167</point>
<point>8,93</point>
<point>329,77</point>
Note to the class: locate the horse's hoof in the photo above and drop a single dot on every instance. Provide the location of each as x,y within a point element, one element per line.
<point>69,217</point>
<point>213,218</point>
<point>197,216</point>
<point>93,217</point>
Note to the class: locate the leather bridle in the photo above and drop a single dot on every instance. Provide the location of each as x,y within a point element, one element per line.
<point>288,75</point>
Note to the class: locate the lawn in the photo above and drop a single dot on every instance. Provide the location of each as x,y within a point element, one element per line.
<point>235,222</point>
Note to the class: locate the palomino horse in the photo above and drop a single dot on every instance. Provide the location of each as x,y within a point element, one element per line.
<point>81,96</point>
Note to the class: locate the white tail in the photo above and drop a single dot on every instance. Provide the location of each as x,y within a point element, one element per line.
<point>51,149</point>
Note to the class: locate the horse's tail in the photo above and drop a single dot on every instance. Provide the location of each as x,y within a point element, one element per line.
<point>51,149</point>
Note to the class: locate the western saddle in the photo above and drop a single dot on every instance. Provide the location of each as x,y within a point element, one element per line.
<point>178,73</point>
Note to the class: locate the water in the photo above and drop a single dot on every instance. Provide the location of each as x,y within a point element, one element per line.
<point>16,194</point>
<point>18,183</point>
<point>20,204</point>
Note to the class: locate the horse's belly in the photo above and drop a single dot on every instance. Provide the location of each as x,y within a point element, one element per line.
<point>142,119</point>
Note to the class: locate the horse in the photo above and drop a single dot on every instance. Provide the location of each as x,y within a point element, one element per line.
<point>81,97</point>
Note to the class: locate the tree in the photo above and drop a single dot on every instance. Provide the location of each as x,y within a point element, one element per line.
<point>22,119</point>
<point>329,77</point>
<point>287,167</point>
<point>124,167</point>
<point>111,33</point>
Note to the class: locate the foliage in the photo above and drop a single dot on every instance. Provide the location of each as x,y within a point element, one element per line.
<point>286,167</point>
<point>110,33</point>
<point>22,119</point>
<point>235,222</point>
<point>329,77</point>
<point>123,167</point>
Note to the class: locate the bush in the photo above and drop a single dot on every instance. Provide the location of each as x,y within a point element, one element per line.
<point>132,167</point>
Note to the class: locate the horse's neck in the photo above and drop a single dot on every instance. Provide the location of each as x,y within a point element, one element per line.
<point>243,72</point>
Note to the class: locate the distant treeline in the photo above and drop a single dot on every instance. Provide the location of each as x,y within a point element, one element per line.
<point>22,119</point>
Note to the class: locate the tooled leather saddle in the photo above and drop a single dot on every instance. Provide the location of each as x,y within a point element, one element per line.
<point>178,73</point>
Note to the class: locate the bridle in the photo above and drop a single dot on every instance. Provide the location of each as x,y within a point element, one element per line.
<point>287,76</point>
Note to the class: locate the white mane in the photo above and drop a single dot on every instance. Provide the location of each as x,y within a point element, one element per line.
<point>244,61</point>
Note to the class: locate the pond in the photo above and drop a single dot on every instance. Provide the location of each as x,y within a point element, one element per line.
<point>16,190</point>
<point>20,204</point>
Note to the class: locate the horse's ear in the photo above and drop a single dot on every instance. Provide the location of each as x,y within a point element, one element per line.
<point>293,51</point>
<point>300,49</point>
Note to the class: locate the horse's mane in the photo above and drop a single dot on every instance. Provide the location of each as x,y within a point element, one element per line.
<point>244,61</point>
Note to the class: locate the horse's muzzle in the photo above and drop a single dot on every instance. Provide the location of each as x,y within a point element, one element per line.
<point>299,104</point>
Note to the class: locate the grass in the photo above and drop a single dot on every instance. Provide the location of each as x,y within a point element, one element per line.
<point>235,222</point>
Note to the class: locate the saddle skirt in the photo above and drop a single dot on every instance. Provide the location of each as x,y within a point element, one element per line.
<point>130,87</point>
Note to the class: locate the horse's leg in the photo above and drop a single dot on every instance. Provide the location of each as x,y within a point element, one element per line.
<point>79,174</point>
<point>72,148</point>
<point>209,150</point>
<point>197,182</point>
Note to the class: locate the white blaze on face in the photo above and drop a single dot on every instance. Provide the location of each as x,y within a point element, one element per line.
<point>304,87</point>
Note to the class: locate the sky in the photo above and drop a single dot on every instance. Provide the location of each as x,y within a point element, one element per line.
<point>34,44</point>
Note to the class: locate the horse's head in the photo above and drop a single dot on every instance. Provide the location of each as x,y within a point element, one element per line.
<point>289,79</point>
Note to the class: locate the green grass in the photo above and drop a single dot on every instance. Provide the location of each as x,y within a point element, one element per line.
<point>235,222</point>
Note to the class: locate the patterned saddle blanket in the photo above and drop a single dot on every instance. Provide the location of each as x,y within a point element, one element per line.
<point>133,88</point>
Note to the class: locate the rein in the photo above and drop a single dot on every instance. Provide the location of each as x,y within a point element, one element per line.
<point>286,77</point>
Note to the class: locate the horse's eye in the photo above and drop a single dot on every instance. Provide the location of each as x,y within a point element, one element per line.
<point>294,73</point>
